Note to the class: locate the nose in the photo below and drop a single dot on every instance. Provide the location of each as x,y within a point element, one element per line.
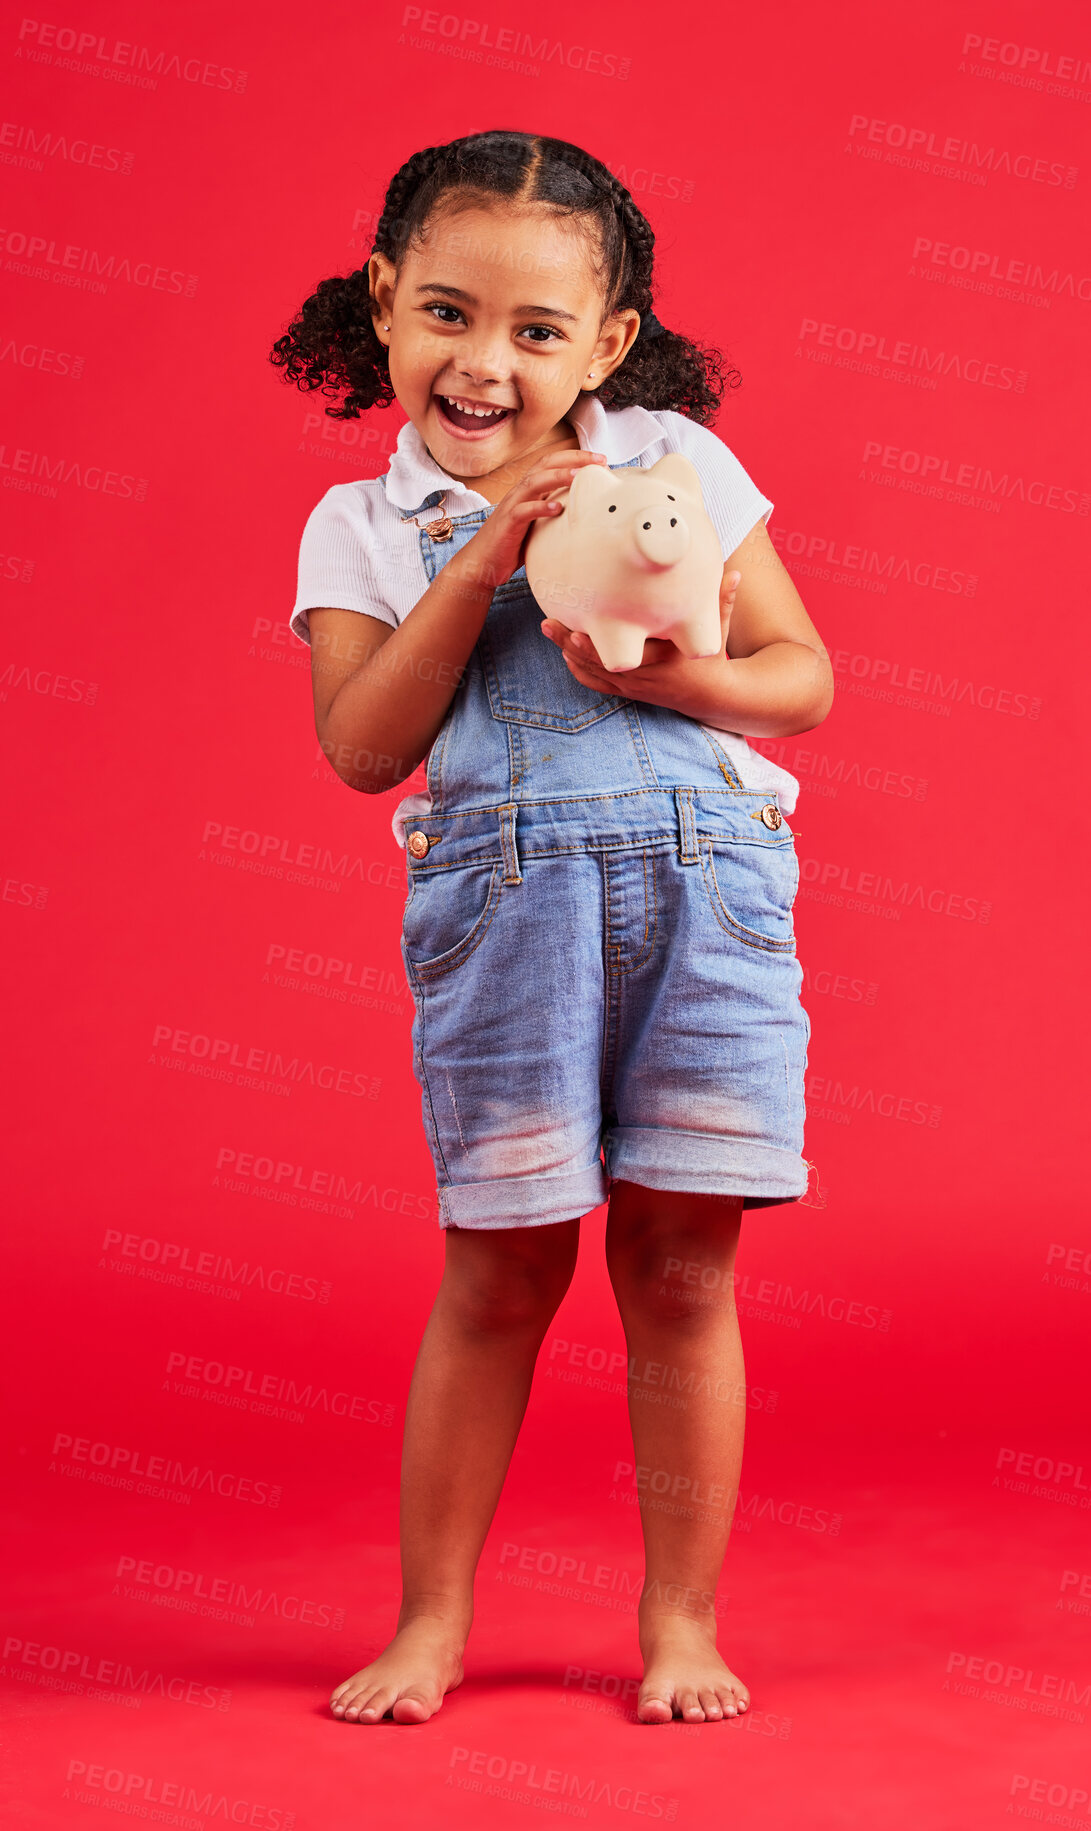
<point>661,535</point>
<point>482,363</point>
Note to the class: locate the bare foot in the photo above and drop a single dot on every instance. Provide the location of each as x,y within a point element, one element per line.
<point>410,1677</point>
<point>684,1675</point>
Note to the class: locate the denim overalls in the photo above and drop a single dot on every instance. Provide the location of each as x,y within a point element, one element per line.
<point>598,936</point>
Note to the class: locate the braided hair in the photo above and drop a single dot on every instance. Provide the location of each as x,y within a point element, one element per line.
<point>332,344</point>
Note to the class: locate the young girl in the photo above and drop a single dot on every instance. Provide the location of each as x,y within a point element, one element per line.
<point>598,927</point>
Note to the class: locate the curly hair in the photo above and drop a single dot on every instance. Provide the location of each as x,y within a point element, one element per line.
<point>331,345</point>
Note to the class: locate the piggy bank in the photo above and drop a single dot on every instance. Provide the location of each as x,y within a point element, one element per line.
<point>633,555</point>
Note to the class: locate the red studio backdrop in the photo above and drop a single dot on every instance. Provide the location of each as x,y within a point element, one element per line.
<point>216,1169</point>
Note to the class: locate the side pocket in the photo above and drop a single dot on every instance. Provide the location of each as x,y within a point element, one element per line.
<point>752,889</point>
<point>448,915</point>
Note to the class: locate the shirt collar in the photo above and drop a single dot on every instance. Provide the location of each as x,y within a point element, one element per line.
<point>414,477</point>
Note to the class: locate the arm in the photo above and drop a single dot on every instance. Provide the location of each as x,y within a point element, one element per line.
<point>772,679</point>
<point>380,693</point>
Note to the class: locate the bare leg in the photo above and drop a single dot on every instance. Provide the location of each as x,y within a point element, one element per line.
<point>691,1457</point>
<point>469,1391</point>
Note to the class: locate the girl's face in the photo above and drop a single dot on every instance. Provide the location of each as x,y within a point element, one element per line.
<point>494,325</point>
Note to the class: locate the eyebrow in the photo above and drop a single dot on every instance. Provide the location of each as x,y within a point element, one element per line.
<point>536,311</point>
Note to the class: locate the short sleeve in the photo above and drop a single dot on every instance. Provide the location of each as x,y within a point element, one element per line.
<point>336,561</point>
<point>734,502</point>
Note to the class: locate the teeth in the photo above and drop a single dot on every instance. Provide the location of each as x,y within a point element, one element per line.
<point>479,413</point>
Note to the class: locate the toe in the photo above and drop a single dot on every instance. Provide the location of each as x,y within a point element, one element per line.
<point>376,1706</point>
<point>710,1704</point>
<point>349,1700</point>
<point>653,1707</point>
<point>415,1706</point>
<point>690,1706</point>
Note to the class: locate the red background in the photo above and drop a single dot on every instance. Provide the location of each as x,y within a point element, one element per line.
<point>917,1477</point>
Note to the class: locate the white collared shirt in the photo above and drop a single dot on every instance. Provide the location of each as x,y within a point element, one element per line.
<point>359,553</point>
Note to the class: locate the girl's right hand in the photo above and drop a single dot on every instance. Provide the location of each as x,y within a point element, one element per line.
<point>496,550</point>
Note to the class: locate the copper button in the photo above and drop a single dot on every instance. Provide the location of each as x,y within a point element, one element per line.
<point>418,844</point>
<point>771,815</point>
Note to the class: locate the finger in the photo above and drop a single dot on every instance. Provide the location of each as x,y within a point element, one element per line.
<point>534,508</point>
<point>587,677</point>
<point>586,650</point>
<point>576,458</point>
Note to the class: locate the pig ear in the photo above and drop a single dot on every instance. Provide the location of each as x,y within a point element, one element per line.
<point>591,490</point>
<point>679,471</point>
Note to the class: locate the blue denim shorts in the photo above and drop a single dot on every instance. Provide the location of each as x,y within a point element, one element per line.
<point>606,987</point>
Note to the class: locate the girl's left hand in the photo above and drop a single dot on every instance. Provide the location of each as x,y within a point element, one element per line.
<point>665,676</point>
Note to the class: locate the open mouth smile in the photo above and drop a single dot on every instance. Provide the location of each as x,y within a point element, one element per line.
<point>469,418</point>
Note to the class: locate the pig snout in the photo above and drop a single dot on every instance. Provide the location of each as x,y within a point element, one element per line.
<point>661,535</point>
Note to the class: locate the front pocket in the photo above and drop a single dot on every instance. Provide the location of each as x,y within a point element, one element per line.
<point>527,677</point>
<point>752,888</point>
<point>447,916</point>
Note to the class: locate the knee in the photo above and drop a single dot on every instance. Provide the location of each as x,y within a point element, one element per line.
<point>500,1288</point>
<point>672,1276</point>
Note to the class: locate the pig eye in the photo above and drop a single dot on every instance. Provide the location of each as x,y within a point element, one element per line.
<point>647,524</point>
<point>674,522</point>
<point>670,498</point>
<point>613,506</point>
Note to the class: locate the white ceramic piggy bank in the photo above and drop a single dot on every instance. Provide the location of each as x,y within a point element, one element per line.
<point>633,555</point>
